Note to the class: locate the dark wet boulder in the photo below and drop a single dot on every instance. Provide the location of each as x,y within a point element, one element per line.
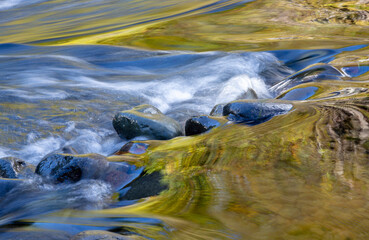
<point>252,112</point>
<point>11,167</point>
<point>133,147</point>
<point>62,168</point>
<point>145,120</point>
<point>6,169</point>
<point>146,185</point>
<point>201,124</point>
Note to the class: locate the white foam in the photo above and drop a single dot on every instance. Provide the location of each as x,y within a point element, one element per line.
<point>33,152</point>
<point>34,80</point>
<point>101,141</point>
<point>96,193</point>
<point>190,88</point>
<point>3,152</point>
<point>6,4</point>
<point>239,85</point>
<point>70,126</point>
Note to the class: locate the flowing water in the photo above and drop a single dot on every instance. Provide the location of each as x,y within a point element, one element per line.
<point>67,67</point>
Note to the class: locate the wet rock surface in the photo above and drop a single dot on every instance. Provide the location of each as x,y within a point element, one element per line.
<point>145,120</point>
<point>217,110</point>
<point>60,168</point>
<point>133,148</point>
<point>11,167</point>
<point>201,124</point>
<point>251,112</point>
<point>146,185</point>
<point>6,169</point>
<point>102,235</point>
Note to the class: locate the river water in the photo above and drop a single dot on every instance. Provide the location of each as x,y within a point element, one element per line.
<point>302,175</point>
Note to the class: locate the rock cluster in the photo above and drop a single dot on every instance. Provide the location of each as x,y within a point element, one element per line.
<point>142,121</point>
<point>148,121</point>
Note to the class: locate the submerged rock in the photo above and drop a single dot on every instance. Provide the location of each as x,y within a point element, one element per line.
<point>251,112</point>
<point>105,235</point>
<point>133,148</point>
<point>145,120</point>
<point>61,168</point>
<point>201,124</point>
<point>217,110</point>
<point>67,150</point>
<point>146,185</point>
<point>11,167</point>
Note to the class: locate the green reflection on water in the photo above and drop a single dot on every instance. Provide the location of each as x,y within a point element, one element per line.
<point>259,25</point>
<point>301,175</point>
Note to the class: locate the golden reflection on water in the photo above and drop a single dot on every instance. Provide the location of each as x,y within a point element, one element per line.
<point>303,175</point>
<point>258,25</point>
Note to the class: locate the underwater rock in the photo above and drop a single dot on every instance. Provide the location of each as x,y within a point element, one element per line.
<point>11,167</point>
<point>146,185</point>
<point>201,124</point>
<point>99,234</point>
<point>61,168</point>
<point>251,112</point>
<point>133,148</point>
<point>145,120</point>
<point>217,110</point>
<point>67,150</point>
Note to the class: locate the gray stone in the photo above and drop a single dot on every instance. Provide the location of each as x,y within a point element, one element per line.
<point>11,167</point>
<point>62,168</point>
<point>254,112</point>
<point>145,120</point>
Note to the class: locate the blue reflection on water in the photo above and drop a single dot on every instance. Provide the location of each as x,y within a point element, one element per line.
<point>300,93</point>
<point>299,59</point>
